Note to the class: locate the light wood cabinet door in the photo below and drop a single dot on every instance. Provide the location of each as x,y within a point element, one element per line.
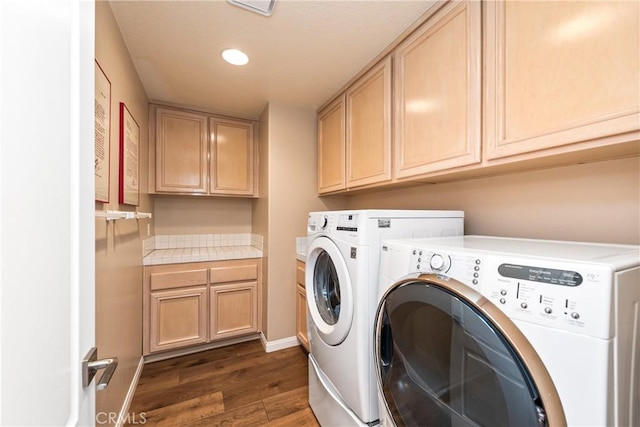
<point>234,310</point>
<point>181,151</point>
<point>301,306</point>
<point>331,147</point>
<point>560,72</point>
<point>232,157</point>
<point>178,318</point>
<point>438,92</point>
<point>368,127</point>
<point>301,317</point>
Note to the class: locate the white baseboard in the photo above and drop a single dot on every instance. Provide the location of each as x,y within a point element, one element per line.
<point>280,344</point>
<point>124,412</point>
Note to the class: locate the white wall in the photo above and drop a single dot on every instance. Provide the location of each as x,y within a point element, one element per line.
<point>201,215</point>
<point>594,202</point>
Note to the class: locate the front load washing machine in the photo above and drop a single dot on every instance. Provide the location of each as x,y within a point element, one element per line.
<point>502,332</point>
<point>343,251</point>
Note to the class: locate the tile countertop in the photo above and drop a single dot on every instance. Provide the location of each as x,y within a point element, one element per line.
<point>176,249</point>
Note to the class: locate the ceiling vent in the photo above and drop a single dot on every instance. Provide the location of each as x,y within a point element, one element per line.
<point>263,7</point>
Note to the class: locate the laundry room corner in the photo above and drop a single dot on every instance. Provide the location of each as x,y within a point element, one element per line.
<point>287,194</point>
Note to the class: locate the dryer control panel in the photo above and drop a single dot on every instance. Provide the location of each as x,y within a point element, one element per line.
<point>576,297</point>
<point>464,267</point>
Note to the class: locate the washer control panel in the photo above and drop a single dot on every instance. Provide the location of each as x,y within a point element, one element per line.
<point>576,297</point>
<point>330,222</point>
<point>320,222</point>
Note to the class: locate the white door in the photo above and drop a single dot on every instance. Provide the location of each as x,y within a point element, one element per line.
<point>46,211</point>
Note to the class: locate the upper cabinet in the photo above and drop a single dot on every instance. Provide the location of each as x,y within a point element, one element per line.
<point>438,92</point>
<point>231,169</point>
<point>560,73</point>
<point>369,127</point>
<point>331,147</point>
<point>489,87</point>
<point>181,151</point>
<point>199,153</point>
<point>354,133</point>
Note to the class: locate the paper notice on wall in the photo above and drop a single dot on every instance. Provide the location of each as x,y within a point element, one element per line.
<point>129,152</point>
<point>102,134</point>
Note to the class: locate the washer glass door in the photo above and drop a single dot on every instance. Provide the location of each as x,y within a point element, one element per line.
<point>328,289</point>
<point>441,362</point>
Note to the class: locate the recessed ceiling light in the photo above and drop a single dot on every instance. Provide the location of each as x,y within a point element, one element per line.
<point>235,56</point>
<point>263,7</point>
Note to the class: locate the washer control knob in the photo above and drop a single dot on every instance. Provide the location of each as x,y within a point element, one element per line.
<point>524,305</point>
<point>575,315</point>
<point>438,262</point>
<point>548,310</point>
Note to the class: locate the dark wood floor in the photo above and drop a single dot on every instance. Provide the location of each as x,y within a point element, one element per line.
<point>238,385</point>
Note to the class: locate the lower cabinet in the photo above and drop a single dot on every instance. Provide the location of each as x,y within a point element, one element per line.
<point>196,303</point>
<point>179,318</point>
<point>234,310</point>
<point>301,306</point>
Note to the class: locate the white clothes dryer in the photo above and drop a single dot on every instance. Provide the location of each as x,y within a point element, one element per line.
<point>343,251</point>
<point>500,332</point>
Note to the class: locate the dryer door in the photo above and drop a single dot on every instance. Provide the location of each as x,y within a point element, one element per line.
<point>447,356</point>
<point>329,293</point>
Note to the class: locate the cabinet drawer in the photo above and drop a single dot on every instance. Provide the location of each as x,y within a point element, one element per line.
<point>300,273</point>
<point>233,273</point>
<point>178,279</point>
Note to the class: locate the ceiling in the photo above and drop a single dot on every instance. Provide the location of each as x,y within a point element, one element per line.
<point>300,56</point>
